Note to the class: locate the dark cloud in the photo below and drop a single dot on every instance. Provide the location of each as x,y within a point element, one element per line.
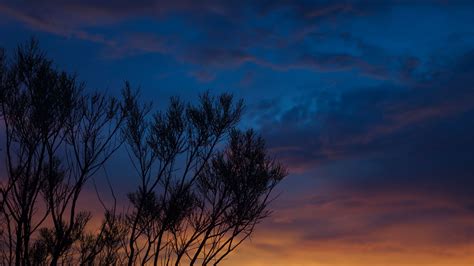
<point>369,103</point>
<point>387,222</point>
<point>203,76</point>
<point>418,135</point>
<point>226,34</point>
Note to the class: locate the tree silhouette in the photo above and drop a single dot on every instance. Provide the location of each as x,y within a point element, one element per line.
<point>195,201</point>
<point>57,137</point>
<point>203,184</point>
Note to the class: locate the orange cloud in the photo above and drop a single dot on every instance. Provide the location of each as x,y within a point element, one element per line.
<point>352,230</point>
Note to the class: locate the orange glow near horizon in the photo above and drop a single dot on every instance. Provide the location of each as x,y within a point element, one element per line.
<point>349,231</point>
<point>346,256</point>
<point>368,104</point>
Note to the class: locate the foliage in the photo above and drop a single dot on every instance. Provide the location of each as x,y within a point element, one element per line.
<point>203,184</point>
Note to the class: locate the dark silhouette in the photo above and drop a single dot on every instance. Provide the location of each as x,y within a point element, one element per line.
<point>193,202</point>
<point>57,137</point>
<point>203,184</point>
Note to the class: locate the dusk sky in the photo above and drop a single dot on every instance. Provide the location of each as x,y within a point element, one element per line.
<point>369,104</point>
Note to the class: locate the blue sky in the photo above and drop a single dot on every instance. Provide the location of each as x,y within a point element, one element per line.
<point>361,99</point>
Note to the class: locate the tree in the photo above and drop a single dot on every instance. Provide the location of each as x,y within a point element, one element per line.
<point>203,185</point>
<point>194,201</point>
<point>57,137</point>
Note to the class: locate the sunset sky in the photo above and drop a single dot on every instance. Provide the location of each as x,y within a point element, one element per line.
<point>369,104</point>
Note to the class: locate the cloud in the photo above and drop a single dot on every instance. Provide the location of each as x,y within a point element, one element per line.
<point>377,122</point>
<point>214,33</point>
<point>203,76</point>
<point>42,24</point>
<point>395,151</point>
<point>354,218</point>
<point>350,228</point>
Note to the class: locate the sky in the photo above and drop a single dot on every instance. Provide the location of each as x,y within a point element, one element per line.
<point>370,104</point>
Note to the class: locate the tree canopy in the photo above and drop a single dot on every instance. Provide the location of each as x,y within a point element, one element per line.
<point>203,184</point>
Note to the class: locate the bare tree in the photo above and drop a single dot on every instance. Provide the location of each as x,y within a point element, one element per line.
<point>203,185</point>
<point>203,197</point>
<point>182,134</point>
<point>57,137</point>
<point>90,139</point>
<point>33,115</point>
